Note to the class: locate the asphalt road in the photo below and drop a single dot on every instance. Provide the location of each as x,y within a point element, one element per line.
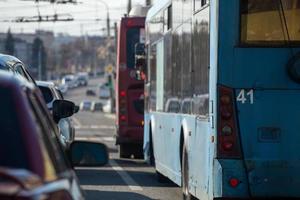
<point>120,179</point>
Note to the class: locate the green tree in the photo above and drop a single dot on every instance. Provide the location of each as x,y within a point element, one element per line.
<point>9,43</point>
<point>39,57</point>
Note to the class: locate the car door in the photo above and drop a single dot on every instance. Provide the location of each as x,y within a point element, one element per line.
<point>49,139</point>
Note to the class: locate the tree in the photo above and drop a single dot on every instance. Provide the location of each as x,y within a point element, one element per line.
<point>39,58</point>
<point>9,43</point>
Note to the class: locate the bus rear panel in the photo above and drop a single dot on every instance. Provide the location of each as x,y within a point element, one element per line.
<point>129,90</point>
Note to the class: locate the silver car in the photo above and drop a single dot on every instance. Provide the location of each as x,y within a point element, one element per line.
<point>66,128</point>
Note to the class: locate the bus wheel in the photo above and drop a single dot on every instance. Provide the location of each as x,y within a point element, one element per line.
<point>185,175</point>
<point>124,151</point>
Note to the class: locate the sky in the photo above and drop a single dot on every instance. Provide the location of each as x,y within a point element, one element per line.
<point>85,14</point>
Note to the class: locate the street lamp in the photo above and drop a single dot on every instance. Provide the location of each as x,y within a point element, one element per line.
<point>107,19</point>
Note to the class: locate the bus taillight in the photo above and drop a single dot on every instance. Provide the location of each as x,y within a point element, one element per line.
<point>123,118</point>
<point>228,136</point>
<point>123,93</point>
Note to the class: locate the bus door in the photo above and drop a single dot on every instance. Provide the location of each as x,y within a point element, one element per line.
<point>267,95</point>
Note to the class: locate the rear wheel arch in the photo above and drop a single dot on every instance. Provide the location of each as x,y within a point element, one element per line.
<point>151,147</point>
<point>181,144</point>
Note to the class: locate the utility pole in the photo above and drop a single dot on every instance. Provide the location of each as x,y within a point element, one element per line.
<point>107,17</point>
<point>40,62</point>
<point>108,25</point>
<point>129,5</point>
<point>116,38</point>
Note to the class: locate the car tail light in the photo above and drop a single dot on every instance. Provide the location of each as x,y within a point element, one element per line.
<point>228,136</point>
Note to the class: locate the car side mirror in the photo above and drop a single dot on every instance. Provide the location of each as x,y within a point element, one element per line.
<point>62,109</point>
<point>88,154</point>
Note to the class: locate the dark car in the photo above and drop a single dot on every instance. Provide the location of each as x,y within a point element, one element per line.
<point>90,92</point>
<point>33,164</point>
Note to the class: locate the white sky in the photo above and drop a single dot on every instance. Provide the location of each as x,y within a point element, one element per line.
<point>84,14</point>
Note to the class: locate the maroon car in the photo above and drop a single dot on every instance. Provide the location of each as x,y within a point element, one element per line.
<point>32,162</point>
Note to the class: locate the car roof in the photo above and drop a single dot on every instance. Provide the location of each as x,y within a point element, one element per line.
<point>48,84</point>
<point>11,81</point>
<point>8,60</point>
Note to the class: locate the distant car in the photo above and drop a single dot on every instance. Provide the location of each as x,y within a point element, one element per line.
<point>107,108</point>
<point>83,78</point>
<point>85,105</point>
<point>90,92</point>
<point>63,88</point>
<point>96,106</point>
<point>104,91</point>
<point>70,81</point>
<point>33,164</point>
<point>65,125</point>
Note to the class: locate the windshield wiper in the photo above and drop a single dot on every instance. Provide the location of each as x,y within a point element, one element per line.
<point>284,24</point>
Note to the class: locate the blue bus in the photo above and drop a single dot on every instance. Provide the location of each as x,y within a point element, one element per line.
<point>222,97</point>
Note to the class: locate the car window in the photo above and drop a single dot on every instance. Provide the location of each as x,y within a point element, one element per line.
<point>60,95</point>
<point>12,148</point>
<point>47,94</point>
<point>19,68</point>
<point>50,136</point>
<point>5,67</point>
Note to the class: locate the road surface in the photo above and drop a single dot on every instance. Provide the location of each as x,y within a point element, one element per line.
<point>120,179</point>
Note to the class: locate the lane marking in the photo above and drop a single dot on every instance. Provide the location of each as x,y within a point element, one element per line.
<point>110,116</point>
<point>106,139</point>
<point>80,127</point>
<point>125,176</point>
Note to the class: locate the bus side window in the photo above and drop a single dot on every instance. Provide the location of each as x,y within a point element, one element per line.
<point>198,4</point>
<point>173,106</point>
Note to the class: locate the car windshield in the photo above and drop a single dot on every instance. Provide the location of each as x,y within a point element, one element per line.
<point>12,151</point>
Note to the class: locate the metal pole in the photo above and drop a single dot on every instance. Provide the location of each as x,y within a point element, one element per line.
<point>129,6</point>
<point>108,25</point>
<point>148,2</point>
<point>40,62</point>
<point>107,19</point>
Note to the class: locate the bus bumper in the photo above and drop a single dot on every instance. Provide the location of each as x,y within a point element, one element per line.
<point>129,135</point>
<point>224,172</point>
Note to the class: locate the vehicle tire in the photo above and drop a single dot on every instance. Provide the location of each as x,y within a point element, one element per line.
<point>138,151</point>
<point>185,175</point>
<point>124,151</point>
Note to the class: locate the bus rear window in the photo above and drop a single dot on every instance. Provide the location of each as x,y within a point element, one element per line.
<point>270,22</point>
<point>132,37</point>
